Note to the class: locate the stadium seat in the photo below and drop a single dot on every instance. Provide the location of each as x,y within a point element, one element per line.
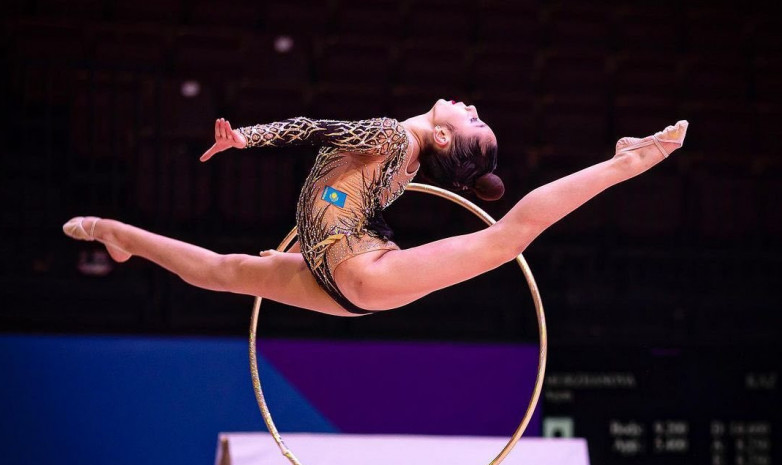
<point>356,61</point>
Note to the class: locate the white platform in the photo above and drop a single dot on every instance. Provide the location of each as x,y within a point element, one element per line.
<point>346,449</point>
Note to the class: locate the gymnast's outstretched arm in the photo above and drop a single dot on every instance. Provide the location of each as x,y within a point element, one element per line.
<point>365,136</point>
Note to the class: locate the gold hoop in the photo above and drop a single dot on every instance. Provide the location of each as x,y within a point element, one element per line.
<point>426,189</point>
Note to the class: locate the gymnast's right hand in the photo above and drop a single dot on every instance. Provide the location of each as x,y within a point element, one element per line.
<point>225,138</point>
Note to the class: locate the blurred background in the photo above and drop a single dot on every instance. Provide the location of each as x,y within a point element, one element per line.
<point>672,278</point>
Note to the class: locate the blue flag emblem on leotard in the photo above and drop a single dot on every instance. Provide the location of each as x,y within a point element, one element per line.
<point>334,196</point>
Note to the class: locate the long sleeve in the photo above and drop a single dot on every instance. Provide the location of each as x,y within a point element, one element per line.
<point>365,136</point>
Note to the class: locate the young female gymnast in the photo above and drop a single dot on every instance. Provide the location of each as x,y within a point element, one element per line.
<point>345,263</point>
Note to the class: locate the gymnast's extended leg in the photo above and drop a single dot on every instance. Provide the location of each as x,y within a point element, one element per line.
<point>391,279</point>
<point>282,277</point>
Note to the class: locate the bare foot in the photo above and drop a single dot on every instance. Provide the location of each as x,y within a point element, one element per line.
<point>83,228</point>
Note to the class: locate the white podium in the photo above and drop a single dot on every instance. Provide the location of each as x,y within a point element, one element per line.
<point>347,449</point>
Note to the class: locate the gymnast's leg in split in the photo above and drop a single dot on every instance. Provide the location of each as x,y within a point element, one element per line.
<point>395,278</point>
<point>385,279</point>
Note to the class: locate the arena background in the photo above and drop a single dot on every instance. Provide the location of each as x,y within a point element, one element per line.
<point>669,282</point>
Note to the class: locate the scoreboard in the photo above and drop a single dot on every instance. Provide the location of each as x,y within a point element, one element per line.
<point>695,405</point>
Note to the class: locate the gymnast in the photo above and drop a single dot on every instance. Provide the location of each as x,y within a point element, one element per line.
<point>345,262</point>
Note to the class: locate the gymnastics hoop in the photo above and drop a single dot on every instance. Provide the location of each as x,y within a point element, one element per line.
<point>426,189</point>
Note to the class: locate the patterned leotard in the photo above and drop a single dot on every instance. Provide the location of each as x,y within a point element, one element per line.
<point>363,164</point>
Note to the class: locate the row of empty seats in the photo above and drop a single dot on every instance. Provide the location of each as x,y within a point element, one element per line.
<point>661,25</point>
<point>296,58</point>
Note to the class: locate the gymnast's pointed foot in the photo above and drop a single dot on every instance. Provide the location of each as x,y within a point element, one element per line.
<point>663,142</point>
<point>83,228</point>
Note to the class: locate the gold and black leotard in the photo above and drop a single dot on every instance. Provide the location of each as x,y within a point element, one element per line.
<point>360,169</point>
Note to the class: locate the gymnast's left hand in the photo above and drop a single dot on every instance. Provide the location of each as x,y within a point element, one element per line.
<point>225,138</point>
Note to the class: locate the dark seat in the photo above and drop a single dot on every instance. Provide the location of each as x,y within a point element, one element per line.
<point>503,68</point>
<point>509,23</point>
<point>717,76</point>
<point>766,75</point>
<point>208,53</point>
<point>765,137</point>
<point>254,102</point>
<point>184,116</point>
<point>257,187</point>
<point>441,22</point>
<point>650,208</point>
<point>716,29</point>
<point>648,74</point>
<point>158,12</point>
<point>440,66</point>
<point>722,197</point>
<point>574,122</point>
<point>132,47</point>
<point>720,130</point>
<point>353,60</point>
<point>569,25</point>
<point>280,59</point>
<point>347,102</point>
<point>295,18</point>
<point>235,14</point>
<point>642,27</point>
<point>572,71</point>
<point>380,20</point>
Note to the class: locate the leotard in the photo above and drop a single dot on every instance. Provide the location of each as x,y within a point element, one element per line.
<point>360,169</point>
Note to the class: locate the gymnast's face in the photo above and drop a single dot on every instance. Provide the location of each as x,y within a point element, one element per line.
<point>462,148</point>
<point>450,116</point>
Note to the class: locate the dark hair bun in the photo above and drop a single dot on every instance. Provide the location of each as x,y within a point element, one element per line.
<point>489,187</point>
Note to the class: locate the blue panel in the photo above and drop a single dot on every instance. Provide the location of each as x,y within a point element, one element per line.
<point>130,400</point>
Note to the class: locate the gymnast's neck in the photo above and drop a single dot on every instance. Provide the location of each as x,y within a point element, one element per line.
<point>419,129</point>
